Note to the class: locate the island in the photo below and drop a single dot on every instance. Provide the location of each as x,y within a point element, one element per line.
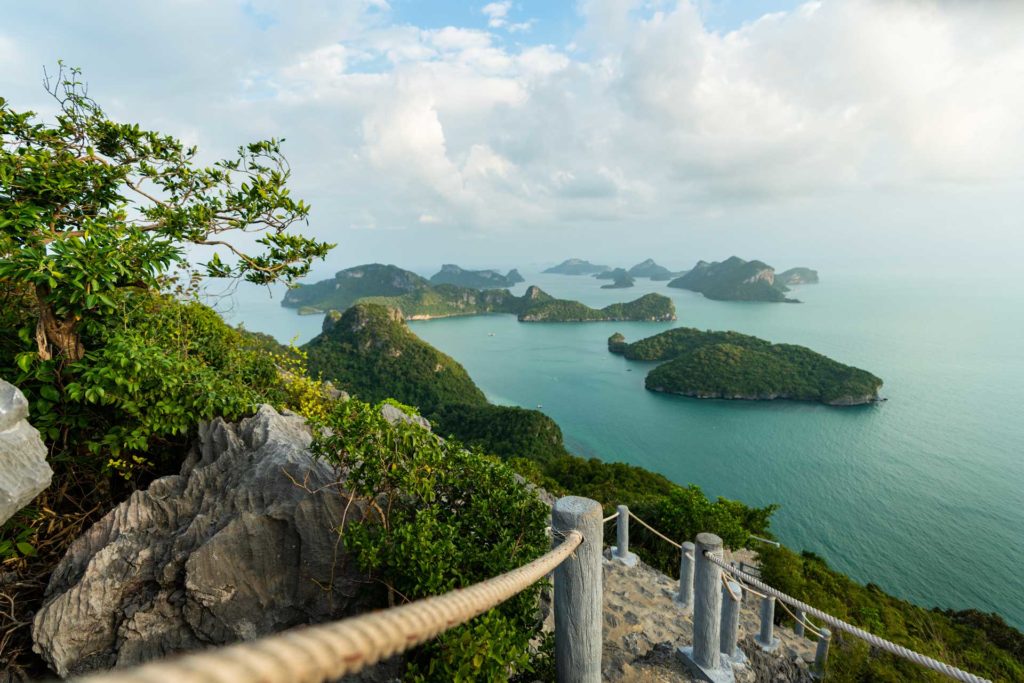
<point>734,280</point>
<point>648,308</point>
<point>451,274</point>
<point>798,276</point>
<point>415,298</point>
<point>620,279</point>
<point>730,365</point>
<point>651,270</point>
<point>575,266</point>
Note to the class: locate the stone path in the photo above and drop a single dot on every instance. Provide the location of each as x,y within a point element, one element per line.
<point>643,628</point>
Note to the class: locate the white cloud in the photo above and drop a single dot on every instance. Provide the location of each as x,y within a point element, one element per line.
<point>497,13</point>
<point>645,116</point>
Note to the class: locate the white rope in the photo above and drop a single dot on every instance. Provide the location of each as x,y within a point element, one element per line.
<point>732,593</point>
<point>609,518</point>
<point>655,531</point>
<point>328,651</point>
<point>841,625</point>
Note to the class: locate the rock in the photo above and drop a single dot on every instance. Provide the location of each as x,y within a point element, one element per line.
<point>241,544</point>
<point>394,415</point>
<point>24,473</point>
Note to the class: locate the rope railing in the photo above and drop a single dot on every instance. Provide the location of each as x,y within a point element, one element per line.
<point>610,518</point>
<point>678,546</point>
<point>328,651</point>
<point>839,624</point>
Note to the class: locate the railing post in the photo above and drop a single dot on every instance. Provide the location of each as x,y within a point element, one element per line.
<point>684,598</point>
<point>821,654</point>
<point>800,618</point>
<point>578,592</point>
<point>731,621</point>
<point>766,638</point>
<point>705,655</point>
<point>621,551</point>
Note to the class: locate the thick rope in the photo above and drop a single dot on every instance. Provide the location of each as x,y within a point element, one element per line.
<point>732,593</point>
<point>841,625</point>
<point>328,651</point>
<point>806,623</point>
<point>609,518</point>
<point>655,531</point>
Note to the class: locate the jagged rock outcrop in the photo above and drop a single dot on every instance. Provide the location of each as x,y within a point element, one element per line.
<point>241,544</point>
<point>24,472</point>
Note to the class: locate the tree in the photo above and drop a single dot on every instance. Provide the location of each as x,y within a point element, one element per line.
<point>89,206</point>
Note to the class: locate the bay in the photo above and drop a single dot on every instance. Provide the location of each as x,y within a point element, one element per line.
<point>922,495</point>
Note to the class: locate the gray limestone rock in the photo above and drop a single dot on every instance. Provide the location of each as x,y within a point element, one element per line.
<point>241,544</point>
<point>24,472</point>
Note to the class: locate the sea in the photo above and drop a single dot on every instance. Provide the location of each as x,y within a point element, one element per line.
<point>922,494</point>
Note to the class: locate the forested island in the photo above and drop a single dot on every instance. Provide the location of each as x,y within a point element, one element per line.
<point>731,365</point>
<point>734,280</point>
<point>451,274</point>
<point>418,299</point>
<point>798,276</point>
<point>619,277</point>
<point>651,270</point>
<point>575,266</point>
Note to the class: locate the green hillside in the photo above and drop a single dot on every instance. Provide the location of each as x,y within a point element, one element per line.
<point>737,366</point>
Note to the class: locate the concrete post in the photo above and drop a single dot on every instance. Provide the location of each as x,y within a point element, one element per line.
<point>766,638</point>
<point>821,654</point>
<point>621,551</point>
<point>799,627</point>
<point>731,622</point>
<point>705,655</point>
<point>578,592</point>
<point>684,598</point>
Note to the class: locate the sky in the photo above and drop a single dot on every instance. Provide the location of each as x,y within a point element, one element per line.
<point>861,134</point>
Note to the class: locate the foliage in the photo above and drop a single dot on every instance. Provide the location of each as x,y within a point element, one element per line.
<point>416,297</point>
<point>733,365</point>
<point>980,643</point>
<point>352,284</point>
<point>451,274</point>
<point>648,307</point>
<point>506,431</point>
<point>89,206</point>
<point>732,280</point>
<point>442,518</point>
<point>681,512</point>
<point>370,352</point>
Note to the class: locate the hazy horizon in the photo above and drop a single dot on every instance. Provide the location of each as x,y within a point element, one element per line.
<point>860,134</point>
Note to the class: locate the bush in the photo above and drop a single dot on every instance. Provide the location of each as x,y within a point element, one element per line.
<point>440,517</point>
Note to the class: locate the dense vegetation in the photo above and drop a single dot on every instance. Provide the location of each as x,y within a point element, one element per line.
<point>980,643</point>
<point>575,266</point>
<point>451,274</point>
<point>619,277</point>
<point>370,352</point>
<point>733,365</point>
<point>649,307</point>
<point>352,284</point>
<point>651,270</point>
<point>447,518</point>
<point>416,299</point>
<point>733,280</point>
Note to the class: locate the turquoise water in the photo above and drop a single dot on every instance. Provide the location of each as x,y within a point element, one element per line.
<point>922,495</point>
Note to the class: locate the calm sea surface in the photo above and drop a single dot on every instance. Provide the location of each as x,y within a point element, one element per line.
<point>922,495</point>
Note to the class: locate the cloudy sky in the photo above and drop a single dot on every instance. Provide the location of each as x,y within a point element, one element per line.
<point>837,134</point>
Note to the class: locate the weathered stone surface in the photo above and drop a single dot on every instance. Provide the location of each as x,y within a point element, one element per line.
<point>643,629</point>
<point>393,415</point>
<point>241,544</point>
<point>24,472</point>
